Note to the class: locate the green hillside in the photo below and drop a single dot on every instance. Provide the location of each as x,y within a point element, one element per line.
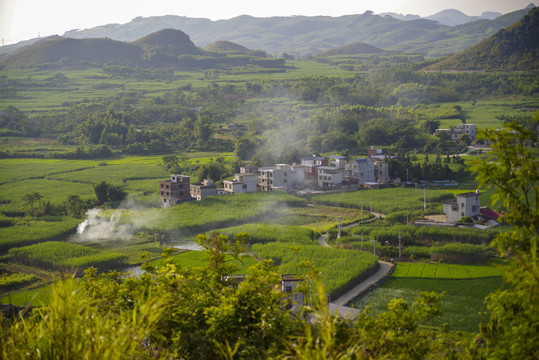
<point>75,51</point>
<point>515,48</point>
<point>226,47</point>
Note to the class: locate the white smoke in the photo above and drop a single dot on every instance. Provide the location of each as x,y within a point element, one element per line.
<point>101,226</point>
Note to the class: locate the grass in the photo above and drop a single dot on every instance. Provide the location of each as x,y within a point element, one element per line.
<point>461,306</point>
<point>492,268</point>
<point>38,296</point>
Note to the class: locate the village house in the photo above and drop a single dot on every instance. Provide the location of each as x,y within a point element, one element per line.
<point>360,171</point>
<point>277,177</point>
<point>175,191</point>
<point>201,191</point>
<point>466,204</point>
<point>245,181</point>
<point>456,133</point>
<point>329,177</point>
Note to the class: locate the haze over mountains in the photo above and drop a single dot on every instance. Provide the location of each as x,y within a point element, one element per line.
<point>303,35</point>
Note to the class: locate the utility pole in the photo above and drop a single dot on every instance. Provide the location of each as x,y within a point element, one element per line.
<point>399,244</point>
<point>338,228</point>
<point>361,240</point>
<point>424,199</point>
<point>371,205</point>
<point>362,211</point>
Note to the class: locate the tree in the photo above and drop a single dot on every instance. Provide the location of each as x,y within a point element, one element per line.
<point>513,170</point>
<point>31,203</point>
<point>104,192</point>
<point>75,206</point>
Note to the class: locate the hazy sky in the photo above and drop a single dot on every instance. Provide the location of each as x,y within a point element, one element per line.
<point>25,19</point>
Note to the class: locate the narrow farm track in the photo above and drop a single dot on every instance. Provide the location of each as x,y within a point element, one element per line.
<point>339,305</point>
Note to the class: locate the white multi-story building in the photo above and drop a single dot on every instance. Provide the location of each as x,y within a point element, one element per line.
<point>243,182</point>
<point>456,133</point>
<point>278,177</point>
<point>329,176</point>
<point>467,204</point>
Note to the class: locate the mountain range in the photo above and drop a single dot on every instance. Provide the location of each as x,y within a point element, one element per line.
<point>303,35</point>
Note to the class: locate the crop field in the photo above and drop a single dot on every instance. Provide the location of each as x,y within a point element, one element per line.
<point>193,258</point>
<point>62,255</point>
<point>461,306</point>
<point>35,231</point>
<point>132,249</point>
<point>383,200</point>
<point>37,296</point>
<point>337,266</point>
<point>13,281</point>
<point>263,233</point>
<point>450,271</point>
<point>218,211</point>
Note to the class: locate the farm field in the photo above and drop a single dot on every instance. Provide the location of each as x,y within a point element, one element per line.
<point>383,200</point>
<point>94,84</point>
<point>337,266</point>
<point>461,306</point>
<point>493,268</point>
<point>465,285</point>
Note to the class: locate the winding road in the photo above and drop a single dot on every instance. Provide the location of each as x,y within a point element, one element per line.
<point>339,305</point>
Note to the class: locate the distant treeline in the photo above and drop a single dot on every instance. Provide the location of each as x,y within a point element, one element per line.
<point>139,72</point>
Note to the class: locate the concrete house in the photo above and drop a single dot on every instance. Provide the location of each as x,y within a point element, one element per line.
<point>461,129</point>
<point>360,170</point>
<point>329,177</point>
<point>243,182</point>
<point>175,191</point>
<point>201,191</point>
<point>381,171</point>
<point>277,177</point>
<point>467,204</point>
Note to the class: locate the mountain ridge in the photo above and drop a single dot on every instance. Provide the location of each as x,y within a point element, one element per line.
<point>514,48</point>
<point>305,35</point>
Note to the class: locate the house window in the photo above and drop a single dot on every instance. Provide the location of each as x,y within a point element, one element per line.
<point>244,186</point>
<point>461,205</point>
<point>164,200</point>
<point>461,214</point>
<point>161,185</point>
<point>161,192</point>
<point>181,193</point>
<point>167,186</point>
<point>288,289</point>
<point>474,208</point>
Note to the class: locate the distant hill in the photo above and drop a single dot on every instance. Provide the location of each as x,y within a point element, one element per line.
<point>452,17</point>
<point>303,35</point>
<point>515,48</point>
<point>352,49</point>
<point>226,47</point>
<point>170,41</point>
<point>68,51</point>
<point>167,48</point>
